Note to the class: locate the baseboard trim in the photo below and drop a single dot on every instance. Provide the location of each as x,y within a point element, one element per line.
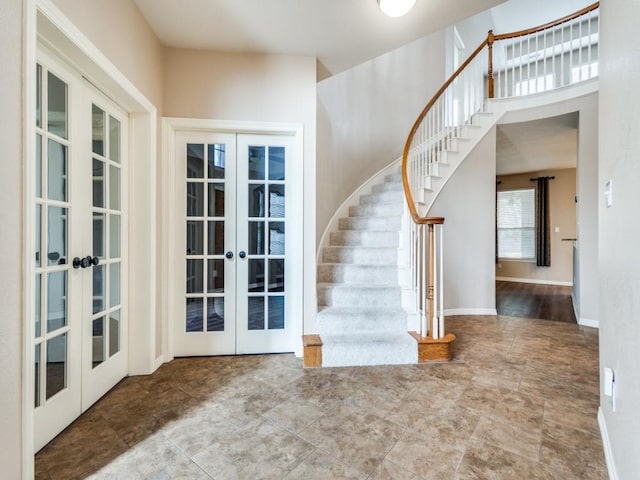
<point>534,280</point>
<point>471,311</point>
<point>606,444</point>
<point>587,322</point>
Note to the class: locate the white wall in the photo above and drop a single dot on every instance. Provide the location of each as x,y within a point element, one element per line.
<point>468,204</point>
<point>252,87</point>
<point>11,239</point>
<point>365,114</point>
<point>619,257</point>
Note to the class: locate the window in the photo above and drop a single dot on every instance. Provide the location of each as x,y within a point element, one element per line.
<point>516,224</point>
<point>533,85</point>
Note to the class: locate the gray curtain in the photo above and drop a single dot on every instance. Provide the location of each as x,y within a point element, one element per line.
<point>543,241</point>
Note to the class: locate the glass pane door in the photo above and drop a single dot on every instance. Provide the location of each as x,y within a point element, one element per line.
<point>207,164</point>
<point>263,325</point>
<point>56,332</point>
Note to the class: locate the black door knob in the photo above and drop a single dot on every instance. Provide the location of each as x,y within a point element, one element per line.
<point>76,262</point>
<point>229,254</point>
<point>242,254</point>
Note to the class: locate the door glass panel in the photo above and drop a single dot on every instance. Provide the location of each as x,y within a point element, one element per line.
<point>114,187</point>
<point>276,163</point>
<point>215,314</point>
<point>276,275</point>
<point>256,200</point>
<point>255,313</point>
<point>256,275</point>
<point>56,376</point>
<point>195,237</point>
<point>256,163</point>
<point>36,360</point>
<point>215,277</point>
<point>38,166</point>
<point>195,199</point>
<point>98,288</point>
<point>97,130</point>
<point>276,238</point>
<point>216,160</point>
<point>38,301</point>
<point>216,238</point>
<point>114,333</point>
<point>276,313</point>
<point>195,321</point>
<point>57,171</point>
<point>114,236</point>
<point>114,284</point>
<point>38,239</point>
<point>276,201</point>
<point>98,235</point>
<point>195,160</point>
<point>216,200</point>
<point>57,106</point>
<point>194,276</point>
<point>56,300</point>
<point>38,96</point>
<point>98,183</point>
<point>256,238</point>
<point>98,342</point>
<point>114,139</point>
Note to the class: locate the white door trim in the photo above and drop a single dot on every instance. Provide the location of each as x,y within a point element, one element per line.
<point>43,22</point>
<point>170,126</point>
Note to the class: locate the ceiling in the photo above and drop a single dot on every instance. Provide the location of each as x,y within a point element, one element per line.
<point>339,33</point>
<point>546,144</point>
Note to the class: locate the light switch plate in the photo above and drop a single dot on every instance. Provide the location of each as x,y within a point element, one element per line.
<point>608,193</point>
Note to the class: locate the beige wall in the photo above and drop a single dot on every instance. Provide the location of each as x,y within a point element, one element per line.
<point>122,34</point>
<point>562,213</point>
<point>11,239</point>
<point>365,114</point>
<point>619,257</point>
<point>467,202</point>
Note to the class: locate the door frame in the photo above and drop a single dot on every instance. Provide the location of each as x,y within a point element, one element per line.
<point>173,125</point>
<point>45,24</point>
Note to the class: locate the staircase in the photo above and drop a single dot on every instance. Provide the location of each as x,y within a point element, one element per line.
<point>361,320</point>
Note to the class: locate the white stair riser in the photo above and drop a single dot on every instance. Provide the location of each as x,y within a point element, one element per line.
<point>364,238</point>
<point>397,350</point>
<point>382,197</point>
<point>358,297</point>
<point>371,224</point>
<point>360,255</point>
<point>380,210</point>
<point>361,322</point>
<point>362,274</point>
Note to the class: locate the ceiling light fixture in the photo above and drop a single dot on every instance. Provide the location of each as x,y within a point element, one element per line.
<point>396,8</point>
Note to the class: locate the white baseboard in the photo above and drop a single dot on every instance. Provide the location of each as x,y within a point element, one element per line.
<point>471,311</point>
<point>587,322</point>
<point>606,444</point>
<point>533,280</point>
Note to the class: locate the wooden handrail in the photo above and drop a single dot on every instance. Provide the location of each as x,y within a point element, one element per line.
<point>489,41</point>
<point>547,26</point>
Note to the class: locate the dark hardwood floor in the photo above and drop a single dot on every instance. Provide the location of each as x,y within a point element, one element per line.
<point>530,300</point>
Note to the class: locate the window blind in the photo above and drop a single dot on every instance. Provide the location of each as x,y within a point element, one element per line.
<point>516,224</point>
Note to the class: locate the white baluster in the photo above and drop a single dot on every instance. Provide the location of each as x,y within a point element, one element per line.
<point>441,318</point>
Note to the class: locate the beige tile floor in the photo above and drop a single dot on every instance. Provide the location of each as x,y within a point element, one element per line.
<point>518,402</point>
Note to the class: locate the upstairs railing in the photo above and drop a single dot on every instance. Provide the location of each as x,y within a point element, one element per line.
<point>526,62</point>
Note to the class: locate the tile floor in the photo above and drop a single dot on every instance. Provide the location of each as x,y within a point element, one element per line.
<point>518,402</point>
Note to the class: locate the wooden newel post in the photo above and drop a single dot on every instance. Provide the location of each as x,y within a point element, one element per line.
<point>431,280</point>
<point>490,39</point>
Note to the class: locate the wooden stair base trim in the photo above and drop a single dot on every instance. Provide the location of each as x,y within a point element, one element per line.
<point>312,348</point>
<point>434,350</point>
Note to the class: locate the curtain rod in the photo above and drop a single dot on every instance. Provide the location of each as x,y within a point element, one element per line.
<point>534,179</point>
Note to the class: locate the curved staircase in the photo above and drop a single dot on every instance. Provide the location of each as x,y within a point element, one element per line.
<point>361,320</point>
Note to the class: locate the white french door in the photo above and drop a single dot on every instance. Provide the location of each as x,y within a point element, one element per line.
<point>232,244</point>
<point>80,316</point>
